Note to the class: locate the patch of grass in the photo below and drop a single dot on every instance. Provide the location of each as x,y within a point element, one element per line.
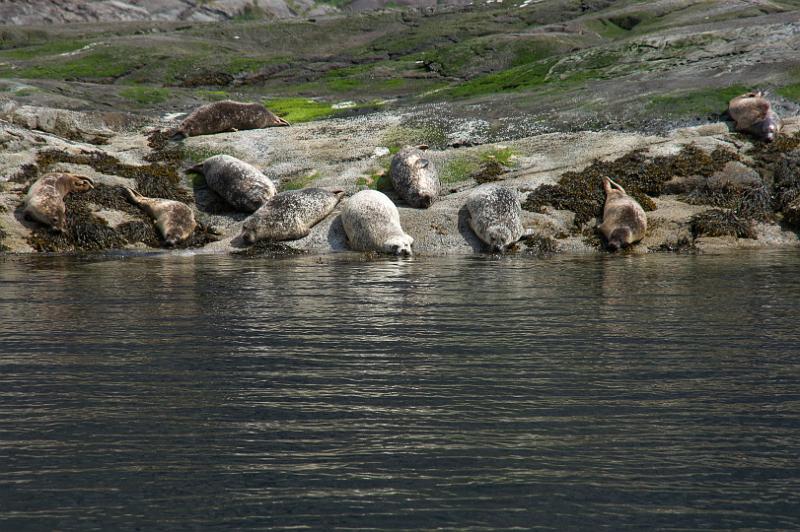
<point>502,155</point>
<point>513,79</point>
<point>42,50</point>
<point>606,28</point>
<point>299,182</point>
<point>145,95</point>
<point>96,63</point>
<point>457,169</point>
<point>300,109</point>
<point>697,103</point>
<point>790,91</point>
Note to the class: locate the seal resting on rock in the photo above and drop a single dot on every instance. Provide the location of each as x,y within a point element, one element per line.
<point>414,177</point>
<point>753,114</point>
<point>174,220</point>
<point>289,215</point>
<point>224,116</point>
<point>241,184</point>
<point>44,202</point>
<point>372,223</point>
<point>624,220</point>
<point>495,215</point>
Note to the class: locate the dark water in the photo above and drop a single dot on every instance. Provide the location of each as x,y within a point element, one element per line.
<point>469,393</point>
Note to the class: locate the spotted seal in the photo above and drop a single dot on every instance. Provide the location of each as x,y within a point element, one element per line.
<point>44,202</point>
<point>174,220</point>
<point>753,114</point>
<point>289,215</point>
<point>414,177</point>
<point>495,215</point>
<point>224,116</point>
<point>241,184</point>
<point>624,220</point>
<point>372,223</point>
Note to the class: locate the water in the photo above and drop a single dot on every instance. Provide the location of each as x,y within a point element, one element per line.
<point>660,391</point>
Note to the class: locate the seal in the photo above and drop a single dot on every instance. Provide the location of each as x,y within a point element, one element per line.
<point>753,114</point>
<point>241,184</point>
<point>224,116</point>
<point>174,220</point>
<point>624,220</point>
<point>414,177</point>
<point>44,202</point>
<point>289,215</point>
<point>495,215</point>
<point>372,223</point>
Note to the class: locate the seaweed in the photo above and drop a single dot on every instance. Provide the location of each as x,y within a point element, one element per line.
<point>751,200</point>
<point>540,245</point>
<point>721,222</point>
<point>641,176</point>
<point>269,249</point>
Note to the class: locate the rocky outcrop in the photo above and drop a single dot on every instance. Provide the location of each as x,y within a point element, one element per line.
<point>350,154</point>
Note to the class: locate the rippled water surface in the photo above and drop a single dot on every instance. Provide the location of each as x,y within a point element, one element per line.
<point>186,392</point>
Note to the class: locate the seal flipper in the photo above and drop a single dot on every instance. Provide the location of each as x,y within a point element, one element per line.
<point>177,135</point>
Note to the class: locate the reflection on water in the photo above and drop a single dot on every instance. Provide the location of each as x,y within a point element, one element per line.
<point>651,392</point>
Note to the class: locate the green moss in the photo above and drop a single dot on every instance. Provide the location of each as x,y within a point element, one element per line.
<point>502,155</point>
<point>300,109</point>
<point>145,95</point>
<point>697,103</point>
<point>414,134</point>
<point>606,28</point>
<point>212,95</point>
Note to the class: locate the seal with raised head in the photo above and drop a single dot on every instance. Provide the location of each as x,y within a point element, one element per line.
<point>224,116</point>
<point>289,215</point>
<point>242,185</point>
<point>174,220</point>
<point>495,215</point>
<point>44,202</point>
<point>624,220</point>
<point>372,223</point>
<point>414,177</point>
<point>753,114</point>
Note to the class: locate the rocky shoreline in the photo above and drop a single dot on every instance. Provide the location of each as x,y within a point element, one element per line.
<point>705,188</point>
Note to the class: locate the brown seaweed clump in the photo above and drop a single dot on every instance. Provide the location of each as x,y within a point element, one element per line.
<point>751,201</point>
<point>268,249</point>
<point>786,187</point>
<point>641,176</point>
<point>155,180</point>
<point>489,171</point>
<point>721,222</point>
<point>767,156</point>
<point>540,245</point>
<point>87,232</point>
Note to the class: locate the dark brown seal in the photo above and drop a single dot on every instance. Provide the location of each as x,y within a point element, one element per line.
<point>224,116</point>
<point>753,114</point>
<point>624,220</point>
<point>174,220</point>
<point>44,202</point>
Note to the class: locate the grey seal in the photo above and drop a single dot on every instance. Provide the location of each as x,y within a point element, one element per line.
<point>174,220</point>
<point>44,202</point>
<point>241,184</point>
<point>414,177</point>
<point>495,215</point>
<point>224,116</point>
<point>624,220</point>
<point>289,215</point>
<point>372,223</point>
<point>753,114</point>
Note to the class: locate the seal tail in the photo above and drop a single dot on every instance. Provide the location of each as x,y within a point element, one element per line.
<point>176,135</point>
